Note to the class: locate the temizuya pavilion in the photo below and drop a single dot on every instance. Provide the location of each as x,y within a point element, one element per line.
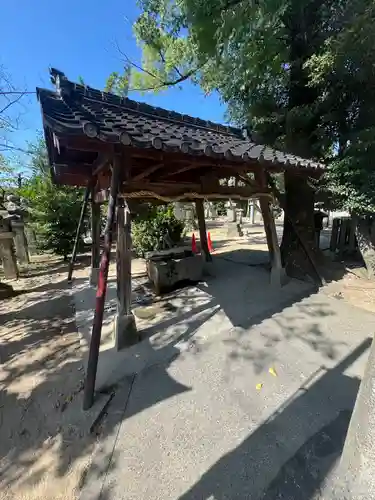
<point>104,142</point>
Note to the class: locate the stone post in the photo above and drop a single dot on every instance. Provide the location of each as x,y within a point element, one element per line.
<point>7,254</point>
<point>178,210</point>
<point>31,240</point>
<point>231,211</point>
<point>20,242</point>
<point>252,212</point>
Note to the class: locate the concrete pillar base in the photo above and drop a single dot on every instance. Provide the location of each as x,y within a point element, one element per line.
<point>125,331</point>
<point>94,276</point>
<point>279,277</point>
<point>209,268</point>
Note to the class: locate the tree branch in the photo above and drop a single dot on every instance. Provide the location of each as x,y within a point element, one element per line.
<point>170,83</point>
<point>163,83</point>
<point>11,103</point>
<point>7,147</point>
<point>135,65</point>
<point>17,92</point>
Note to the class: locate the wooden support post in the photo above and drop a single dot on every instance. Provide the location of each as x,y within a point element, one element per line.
<point>78,233</point>
<point>334,235</point>
<point>125,327</point>
<point>95,236</point>
<point>89,389</point>
<point>344,225</point>
<point>202,230</point>
<point>278,276</point>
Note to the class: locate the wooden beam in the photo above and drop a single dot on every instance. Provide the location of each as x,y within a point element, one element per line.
<point>125,326</point>
<point>100,163</point>
<point>151,192</point>
<point>83,143</point>
<point>277,271</point>
<point>180,188</point>
<point>248,182</point>
<point>147,171</point>
<point>89,389</point>
<point>183,169</point>
<point>202,231</point>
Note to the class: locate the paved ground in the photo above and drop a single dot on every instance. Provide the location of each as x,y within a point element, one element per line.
<point>207,420</point>
<point>196,413</point>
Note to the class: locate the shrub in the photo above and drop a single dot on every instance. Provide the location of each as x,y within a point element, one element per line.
<point>156,228</point>
<point>55,212</point>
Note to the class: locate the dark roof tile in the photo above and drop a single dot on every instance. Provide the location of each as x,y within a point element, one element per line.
<point>77,109</point>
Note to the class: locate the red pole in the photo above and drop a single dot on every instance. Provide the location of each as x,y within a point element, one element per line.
<point>193,244</point>
<point>209,242</point>
<point>92,365</point>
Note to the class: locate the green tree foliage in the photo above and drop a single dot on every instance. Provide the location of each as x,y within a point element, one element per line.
<point>8,175</point>
<point>119,83</point>
<point>253,53</point>
<point>300,74</point>
<point>154,228</point>
<point>55,210</point>
<point>345,72</point>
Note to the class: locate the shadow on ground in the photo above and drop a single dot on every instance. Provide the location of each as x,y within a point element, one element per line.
<point>301,477</point>
<point>237,296</point>
<point>43,431</point>
<point>41,372</point>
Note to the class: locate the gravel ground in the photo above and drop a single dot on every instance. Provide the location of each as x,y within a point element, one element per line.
<point>45,448</point>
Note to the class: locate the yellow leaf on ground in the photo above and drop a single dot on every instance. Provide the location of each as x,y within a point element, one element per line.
<point>272,371</point>
<point>258,387</point>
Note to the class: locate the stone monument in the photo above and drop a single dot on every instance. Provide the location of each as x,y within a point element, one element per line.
<point>234,215</point>
<point>7,254</point>
<point>17,213</point>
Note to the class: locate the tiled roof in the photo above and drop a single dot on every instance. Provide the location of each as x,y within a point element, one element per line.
<point>75,109</point>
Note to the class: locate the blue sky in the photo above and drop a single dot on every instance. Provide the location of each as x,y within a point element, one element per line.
<point>79,38</point>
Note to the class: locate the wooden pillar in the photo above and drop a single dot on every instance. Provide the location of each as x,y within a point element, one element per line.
<point>95,236</point>
<point>278,275</point>
<point>334,234</point>
<point>78,233</point>
<point>202,230</point>
<point>92,364</point>
<point>125,327</point>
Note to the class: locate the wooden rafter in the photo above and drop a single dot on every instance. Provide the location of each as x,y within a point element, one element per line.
<point>148,171</point>
<point>100,163</point>
<point>183,169</point>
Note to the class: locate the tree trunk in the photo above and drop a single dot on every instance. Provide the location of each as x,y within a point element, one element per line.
<point>300,140</point>
<point>299,208</point>
<point>365,232</point>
